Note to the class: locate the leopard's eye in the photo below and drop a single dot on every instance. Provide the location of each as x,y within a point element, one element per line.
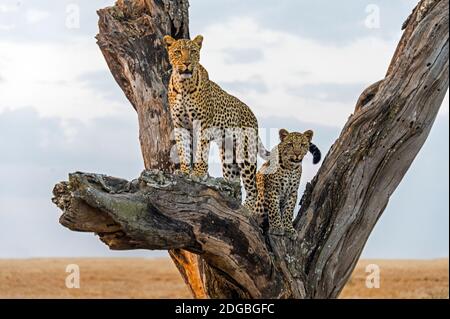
<point>177,52</point>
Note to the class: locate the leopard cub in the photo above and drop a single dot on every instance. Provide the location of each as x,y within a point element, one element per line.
<point>278,181</point>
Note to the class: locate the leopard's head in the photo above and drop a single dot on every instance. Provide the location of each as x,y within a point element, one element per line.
<point>184,55</point>
<point>294,146</point>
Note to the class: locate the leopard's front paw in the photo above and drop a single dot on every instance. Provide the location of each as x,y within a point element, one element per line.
<point>184,169</point>
<point>200,169</point>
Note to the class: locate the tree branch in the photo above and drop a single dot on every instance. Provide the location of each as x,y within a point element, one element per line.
<point>164,211</point>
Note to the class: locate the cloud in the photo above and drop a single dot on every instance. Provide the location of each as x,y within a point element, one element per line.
<point>243,56</point>
<point>8,8</point>
<point>34,16</point>
<point>37,153</point>
<point>33,23</point>
<point>298,77</point>
<point>255,84</point>
<point>7,27</point>
<point>104,84</point>
<point>271,70</point>
<point>52,142</point>
<point>324,20</point>
<point>55,79</point>
<point>344,93</point>
<point>290,63</point>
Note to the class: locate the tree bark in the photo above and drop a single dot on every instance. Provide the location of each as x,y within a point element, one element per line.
<point>216,244</point>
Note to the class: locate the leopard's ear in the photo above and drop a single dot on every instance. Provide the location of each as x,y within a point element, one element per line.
<point>309,135</point>
<point>168,40</point>
<point>283,134</point>
<point>198,40</point>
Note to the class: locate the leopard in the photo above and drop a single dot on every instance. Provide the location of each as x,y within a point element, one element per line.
<point>203,112</point>
<point>278,181</point>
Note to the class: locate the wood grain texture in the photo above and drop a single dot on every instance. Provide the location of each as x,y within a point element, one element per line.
<point>216,244</point>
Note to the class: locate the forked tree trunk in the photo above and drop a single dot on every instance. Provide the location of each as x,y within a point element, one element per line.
<point>216,244</point>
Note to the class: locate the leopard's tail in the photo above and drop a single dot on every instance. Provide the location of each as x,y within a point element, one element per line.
<point>262,151</point>
<point>317,155</point>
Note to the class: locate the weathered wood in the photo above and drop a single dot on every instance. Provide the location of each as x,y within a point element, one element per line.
<point>192,217</point>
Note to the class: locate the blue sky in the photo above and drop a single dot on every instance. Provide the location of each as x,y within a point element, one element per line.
<point>300,65</point>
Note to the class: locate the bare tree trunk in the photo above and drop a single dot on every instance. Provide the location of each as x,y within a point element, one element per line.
<point>216,244</point>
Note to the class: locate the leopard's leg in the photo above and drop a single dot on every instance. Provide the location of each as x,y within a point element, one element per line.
<point>183,140</point>
<point>202,153</point>
<point>248,176</point>
<point>288,214</point>
<point>260,212</point>
<point>231,172</point>
<point>272,205</point>
<point>230,169</point>
<point>246,158</point>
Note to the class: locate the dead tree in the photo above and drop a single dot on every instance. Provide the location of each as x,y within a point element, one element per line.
<point>216,244</point>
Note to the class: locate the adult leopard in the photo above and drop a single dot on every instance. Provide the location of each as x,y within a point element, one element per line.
<point>197,102</point>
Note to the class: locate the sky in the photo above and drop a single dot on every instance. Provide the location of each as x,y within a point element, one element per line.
<point>299,65</point>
